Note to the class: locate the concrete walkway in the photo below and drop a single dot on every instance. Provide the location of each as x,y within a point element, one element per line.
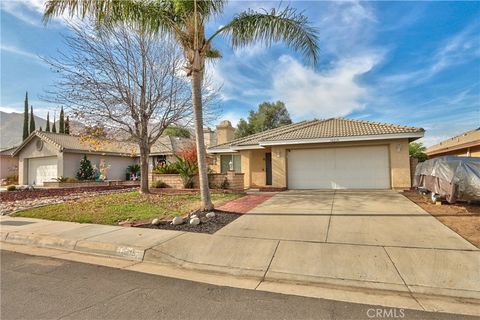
<point>366,247</point>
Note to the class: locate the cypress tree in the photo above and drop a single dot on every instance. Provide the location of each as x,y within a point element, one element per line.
<point>32,120</point>
<point>67,126</point>
<point>54,128</point>
<point>25,118</point>
<point>61,123</point>
<point>47,126</point>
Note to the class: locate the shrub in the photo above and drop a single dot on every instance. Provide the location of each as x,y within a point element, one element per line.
<point>225,184</point>
<point>62,179</point>
<point>11,187</point>
<point>159,184</point>
<point>187,171</point>
<point>86,171</point>
<point>133,169</point>
<point>188,152</point>
<point>165,168</point>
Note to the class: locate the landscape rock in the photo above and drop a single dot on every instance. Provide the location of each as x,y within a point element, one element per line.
<point>156,221</point>
<point>177,220</point>
<point>210,214</point>
<point>195,221</point>
<point>193,216</point>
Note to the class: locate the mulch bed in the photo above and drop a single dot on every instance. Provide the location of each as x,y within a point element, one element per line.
<point>207,225</point>
<point>461,217</point>
<point>42,193</point>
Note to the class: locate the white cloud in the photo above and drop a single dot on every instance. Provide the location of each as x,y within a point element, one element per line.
<point>460,48</point>
<point>345,25</point>
<point>335,92</point>
<point>21,52</point>
<point>31,12</point>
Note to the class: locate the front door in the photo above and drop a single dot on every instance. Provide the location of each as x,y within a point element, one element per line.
<point>268,168</point>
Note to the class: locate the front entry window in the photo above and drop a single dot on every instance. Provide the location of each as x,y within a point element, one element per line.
<point>234,159</point>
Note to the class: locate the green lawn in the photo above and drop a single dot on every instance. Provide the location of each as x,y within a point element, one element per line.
<point>111,209</point>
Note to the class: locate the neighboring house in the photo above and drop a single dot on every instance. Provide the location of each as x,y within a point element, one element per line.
<point>334,153</point>
<point>8,163</point>
<point>466,145</point>
<point>44,156</point>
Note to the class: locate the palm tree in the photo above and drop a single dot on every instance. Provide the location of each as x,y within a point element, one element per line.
<point>186,20</point>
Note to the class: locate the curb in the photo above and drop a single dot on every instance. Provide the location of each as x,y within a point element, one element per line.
<point>346,290</point>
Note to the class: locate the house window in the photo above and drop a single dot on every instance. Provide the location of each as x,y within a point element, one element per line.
<point>161,159</point>
<point>225,163</point>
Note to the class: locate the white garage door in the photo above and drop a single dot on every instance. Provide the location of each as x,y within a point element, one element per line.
<point>42,169</point>
<point>339,168</point>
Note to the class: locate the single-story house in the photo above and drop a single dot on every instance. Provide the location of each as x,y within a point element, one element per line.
<point>44,156</point>
<point>8,163</point>
<point>335,153</point>
<point>465,145</point>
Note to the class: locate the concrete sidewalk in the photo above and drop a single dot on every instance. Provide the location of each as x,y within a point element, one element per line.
<point>423,279</point>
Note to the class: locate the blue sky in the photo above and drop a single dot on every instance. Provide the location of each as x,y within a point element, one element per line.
<point>411,63</point>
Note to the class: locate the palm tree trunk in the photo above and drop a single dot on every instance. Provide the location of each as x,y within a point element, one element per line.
<point>201,153</point>
<point>144,154</point>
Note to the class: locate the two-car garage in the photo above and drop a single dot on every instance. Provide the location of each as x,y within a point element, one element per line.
<point>365,167</point>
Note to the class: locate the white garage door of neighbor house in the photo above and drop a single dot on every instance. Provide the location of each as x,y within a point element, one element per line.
<point>42,169</point>
<point>339,168</point>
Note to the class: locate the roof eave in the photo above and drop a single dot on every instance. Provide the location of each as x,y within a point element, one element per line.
<point>415,135</point>
<point>100,152</point>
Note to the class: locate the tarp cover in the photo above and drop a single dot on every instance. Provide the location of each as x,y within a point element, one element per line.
<point>462,172</point>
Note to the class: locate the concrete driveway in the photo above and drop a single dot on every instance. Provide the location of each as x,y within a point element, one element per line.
<point>379,218</point>
<point>372,239</point>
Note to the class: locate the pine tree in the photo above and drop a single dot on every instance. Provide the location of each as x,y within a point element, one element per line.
<point>32,120</point>
<point>25,118</point>
<point>47,126</point>
<point>54,128</point>
<point>86,171</point>
<point>67,126</point>
<point>61,123</point>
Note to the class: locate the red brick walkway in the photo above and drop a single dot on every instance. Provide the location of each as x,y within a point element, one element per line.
<point>245,204</point>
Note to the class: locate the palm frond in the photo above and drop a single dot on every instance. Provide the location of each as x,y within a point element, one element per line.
<point>213,54</point>
<point>153,15</point>
<point>205,8</point>
<point>287,25</point>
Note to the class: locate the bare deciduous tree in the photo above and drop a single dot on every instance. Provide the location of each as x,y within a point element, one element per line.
<point>128,80</point>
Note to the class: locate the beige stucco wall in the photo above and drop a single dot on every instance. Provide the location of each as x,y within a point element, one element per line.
<point>8,166</point>
<point>118,165</point>
<point>253,162</point>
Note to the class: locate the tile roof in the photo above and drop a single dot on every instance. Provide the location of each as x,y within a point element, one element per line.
<point>469,137</point>
<point>164,145</point>
<point>320,129</point>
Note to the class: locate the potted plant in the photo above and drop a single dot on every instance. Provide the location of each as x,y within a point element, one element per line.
<point>133,172</point>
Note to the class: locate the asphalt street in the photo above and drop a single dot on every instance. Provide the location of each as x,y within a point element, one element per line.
<point>35,287</point>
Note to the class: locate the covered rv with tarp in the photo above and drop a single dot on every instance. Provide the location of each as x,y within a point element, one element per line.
<point>450,177</point>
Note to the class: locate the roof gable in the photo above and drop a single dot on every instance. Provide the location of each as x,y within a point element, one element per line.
<point>72,143</point>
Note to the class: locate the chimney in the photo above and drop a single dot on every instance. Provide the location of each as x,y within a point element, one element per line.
<point>225,132</point>
<point>209,136</point>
